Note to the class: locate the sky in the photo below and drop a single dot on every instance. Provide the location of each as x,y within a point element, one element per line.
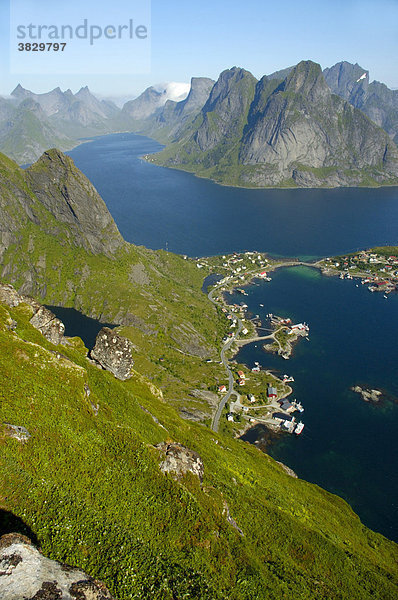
<point>186,39</point>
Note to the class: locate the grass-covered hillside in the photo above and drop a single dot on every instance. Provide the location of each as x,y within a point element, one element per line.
<point>88,484</point>
<point>61,245</point>
<point>85,476</point>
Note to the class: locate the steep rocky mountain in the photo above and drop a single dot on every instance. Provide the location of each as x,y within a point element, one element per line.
<point>31,123</point>
<point>59,243</point>
<point>154,98</point>
<point>101,471</point>
<point>375,99</point>
<point>166,123</point>
<point>293,132</point>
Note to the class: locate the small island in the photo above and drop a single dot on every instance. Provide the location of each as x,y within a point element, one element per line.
<point>284,335</point>
<point>368,395</point>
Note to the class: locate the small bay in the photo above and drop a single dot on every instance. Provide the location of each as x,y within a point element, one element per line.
<point>348,446</point>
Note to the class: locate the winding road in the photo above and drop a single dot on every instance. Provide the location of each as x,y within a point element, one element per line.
<point>216,418</point>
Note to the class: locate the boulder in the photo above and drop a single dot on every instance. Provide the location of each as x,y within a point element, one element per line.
<point>17,431</point>
<point>47,323</point>
<point>114,353</point>
<point>180,460</point>
<point>9,296</point>
<point>43,319</point>
<point>26,573</point>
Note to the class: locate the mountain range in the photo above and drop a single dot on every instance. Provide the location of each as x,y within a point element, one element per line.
<point>283,132</point>
<point>101,470</point>
<point>295,127</point>
<point>31,123</point>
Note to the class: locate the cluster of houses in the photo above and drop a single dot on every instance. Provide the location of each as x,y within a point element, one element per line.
<point>382,270</point>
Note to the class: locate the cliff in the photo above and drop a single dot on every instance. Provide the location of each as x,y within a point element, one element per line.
<point>290,132</point>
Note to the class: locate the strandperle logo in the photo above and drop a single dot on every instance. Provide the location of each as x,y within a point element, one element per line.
<point>84,31</point>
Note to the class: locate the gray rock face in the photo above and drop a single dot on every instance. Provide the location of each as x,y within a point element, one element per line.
<point>9,296</point>
<point>114,353</point>
<point>197,97</point>
<point>47,323</point>
<point>225,111</point>
<point>25,573</point>
<point>70,197</point>
<point>302,128</point>
<point>375,99</point>
<point>290,132</point>
<point>43,319</point>
<point>180,460</point>
<point>349,81</point>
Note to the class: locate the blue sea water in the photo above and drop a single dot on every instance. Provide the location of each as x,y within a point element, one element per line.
<point>156,207</point>
<point>348,446</point>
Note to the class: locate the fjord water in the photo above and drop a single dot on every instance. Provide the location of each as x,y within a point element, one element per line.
<point>348,446</point>
<point>160,208</point>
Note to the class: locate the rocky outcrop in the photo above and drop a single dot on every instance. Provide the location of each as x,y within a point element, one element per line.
<point>17,431</point>
<point>49,325</point>
<point>9,296</point>
<point>43,319</point>
<point>369,395</point>
<point>114,353</point>
<point>180,460</point>
<point>26,573</point>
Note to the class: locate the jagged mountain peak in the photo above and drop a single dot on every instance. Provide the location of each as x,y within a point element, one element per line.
<point>345,78</point>
<point>72,199</point>
<point>306,79</point>
<point>19,91</point>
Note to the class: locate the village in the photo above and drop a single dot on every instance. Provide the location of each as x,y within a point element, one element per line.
<point>264,401</point>
<point>253,395</point>
<point>376,269</point>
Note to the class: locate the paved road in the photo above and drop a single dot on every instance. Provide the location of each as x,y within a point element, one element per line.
<point>224,360</point>
<point>216,418</point>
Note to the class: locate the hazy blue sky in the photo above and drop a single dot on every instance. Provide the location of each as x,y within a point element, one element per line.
<point>203,38</point>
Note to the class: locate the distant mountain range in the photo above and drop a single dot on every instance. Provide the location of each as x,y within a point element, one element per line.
<point>375,99</point>
<point>295,127</point>
<point>31,123</point>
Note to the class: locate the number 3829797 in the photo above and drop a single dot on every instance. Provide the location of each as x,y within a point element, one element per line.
<point>42,47</point>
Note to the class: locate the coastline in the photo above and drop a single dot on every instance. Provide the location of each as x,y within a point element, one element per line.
<point>146,158</point>
<point>237,314</point>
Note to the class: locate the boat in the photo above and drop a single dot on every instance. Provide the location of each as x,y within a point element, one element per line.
<point>299,428</point>
<point>298,406</point>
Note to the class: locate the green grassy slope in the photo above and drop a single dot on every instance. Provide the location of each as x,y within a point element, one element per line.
<point>91,490</point>
<point>89,485</point>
